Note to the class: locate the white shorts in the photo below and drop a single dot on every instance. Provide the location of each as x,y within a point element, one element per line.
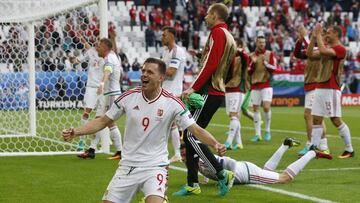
<point>309,99</point>
<point>327,103</point>
<point>233,101</point>
<point>259,95</point>
<point>128,180</point>
<point>258,175</point>
<point>94,101</point>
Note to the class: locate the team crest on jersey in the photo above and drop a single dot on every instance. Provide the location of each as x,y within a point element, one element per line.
<point>159,114</point>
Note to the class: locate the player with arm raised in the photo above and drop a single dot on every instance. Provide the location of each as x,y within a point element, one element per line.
<point>327,99</point>
<point>261,67</point>
<point>174,57</point>
<point>234,96</point>
<point>110,88</point>
<point>150,112</point>
<point>311,72</point>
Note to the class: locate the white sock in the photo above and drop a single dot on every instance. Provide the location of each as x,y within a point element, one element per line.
<point>293,169</point>
<point>344,132</point>
<point>229,163</point>
<point>273,162</point>
<point>323,144</point>
<point>257,123</point>
<point>96,139</point>
<point>83,121</point>
<point>233,129</point>
<point>175,139</point>
<point>317,131</point>
<point>238,135</point>
<point>116,137</point>
<point>267,118</point>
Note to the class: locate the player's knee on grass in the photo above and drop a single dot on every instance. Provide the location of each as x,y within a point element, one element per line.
<point>154,199</point>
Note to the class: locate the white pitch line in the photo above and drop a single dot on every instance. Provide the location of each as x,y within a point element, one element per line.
<point>275,190</point>
<point>281,131</point>
<point>334,169</point>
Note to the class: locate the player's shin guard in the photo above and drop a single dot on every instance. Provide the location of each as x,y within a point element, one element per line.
<point>316,134</point>
<point>273,162</point>
<point>233,130</point>
<point>346,137</point>
<point>175,139</point>
<point>116,137</point>
<point>293,169</point>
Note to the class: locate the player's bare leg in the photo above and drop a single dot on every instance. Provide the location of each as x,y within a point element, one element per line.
<point>267,119</point>
<point>257,124</point>
<point>344,132</point>
<point>154,199</point>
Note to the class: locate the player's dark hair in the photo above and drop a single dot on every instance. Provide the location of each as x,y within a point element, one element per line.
<point>260,37</point>
<point>221,10</point>
<point>182,146</point>
<point>338,30</point>
<point>170,30</point>
<point>159,62</point>
<point>107,42</point>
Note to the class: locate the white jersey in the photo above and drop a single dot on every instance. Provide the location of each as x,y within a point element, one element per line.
<point>113,64</point>
<point>148,125</point>
<point>175,58</point>
<point>95,68</point>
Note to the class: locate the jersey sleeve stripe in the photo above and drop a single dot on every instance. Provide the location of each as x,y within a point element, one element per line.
<point>126,94</point>
<point>169,95</point>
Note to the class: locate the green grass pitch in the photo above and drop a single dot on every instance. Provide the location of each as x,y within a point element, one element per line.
<point>66,178</point>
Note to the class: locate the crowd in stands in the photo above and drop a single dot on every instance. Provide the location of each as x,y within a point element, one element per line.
<point>56,38</point>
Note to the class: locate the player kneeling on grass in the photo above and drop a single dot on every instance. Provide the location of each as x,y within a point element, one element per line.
<point>150,111</point>
<point>248,173</point>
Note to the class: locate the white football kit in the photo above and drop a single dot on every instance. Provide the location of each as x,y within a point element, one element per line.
<point>112,87</point>
<point>233,101</point>
<point>95,74</point>
<point>259,95</point>
<point>175,58</point>
<point>309,99</point>
<point>144,155</point>
<point>245,172</point>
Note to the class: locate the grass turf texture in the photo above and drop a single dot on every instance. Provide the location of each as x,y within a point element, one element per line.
<point>69,179</point>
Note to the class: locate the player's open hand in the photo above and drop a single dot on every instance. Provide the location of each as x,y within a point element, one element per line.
<point>185,95</point>
<point>220,149</point>
<point>68,134</point>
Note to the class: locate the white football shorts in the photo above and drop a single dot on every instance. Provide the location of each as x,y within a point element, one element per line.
<point>94,101</point>
<point>309,99</point>
<point>128,180</point>
<point>259,95</point>
<point>233,101</point>
<point>327,103</point>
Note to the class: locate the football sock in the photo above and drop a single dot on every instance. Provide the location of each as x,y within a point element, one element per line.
<point>316,134</point>
<point>175,139</point>
<point>345,135</point>
<point>267,118</point>
<point>273,162</point>
<point>116,136</point>
<point>294,168</point>
<point>323,144</point>
<point>257,123</point>
<point>233,129</point>
<point>238,135</point>
<point>96,139</point>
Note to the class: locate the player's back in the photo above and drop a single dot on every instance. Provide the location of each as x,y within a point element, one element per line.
<point>95,70</point>
<point>175,58</point>
<point>113,85</point>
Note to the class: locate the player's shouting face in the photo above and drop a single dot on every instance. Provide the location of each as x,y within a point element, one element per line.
<point>151,77</point>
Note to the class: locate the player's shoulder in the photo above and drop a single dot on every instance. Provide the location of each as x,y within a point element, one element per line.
<point>170,97</point>
<point>112,58</point>
<point>340,50</point>
<point>129,93</point>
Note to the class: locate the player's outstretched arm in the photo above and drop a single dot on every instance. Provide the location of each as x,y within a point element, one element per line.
<point>205,137</point>
<point>89,128</point>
